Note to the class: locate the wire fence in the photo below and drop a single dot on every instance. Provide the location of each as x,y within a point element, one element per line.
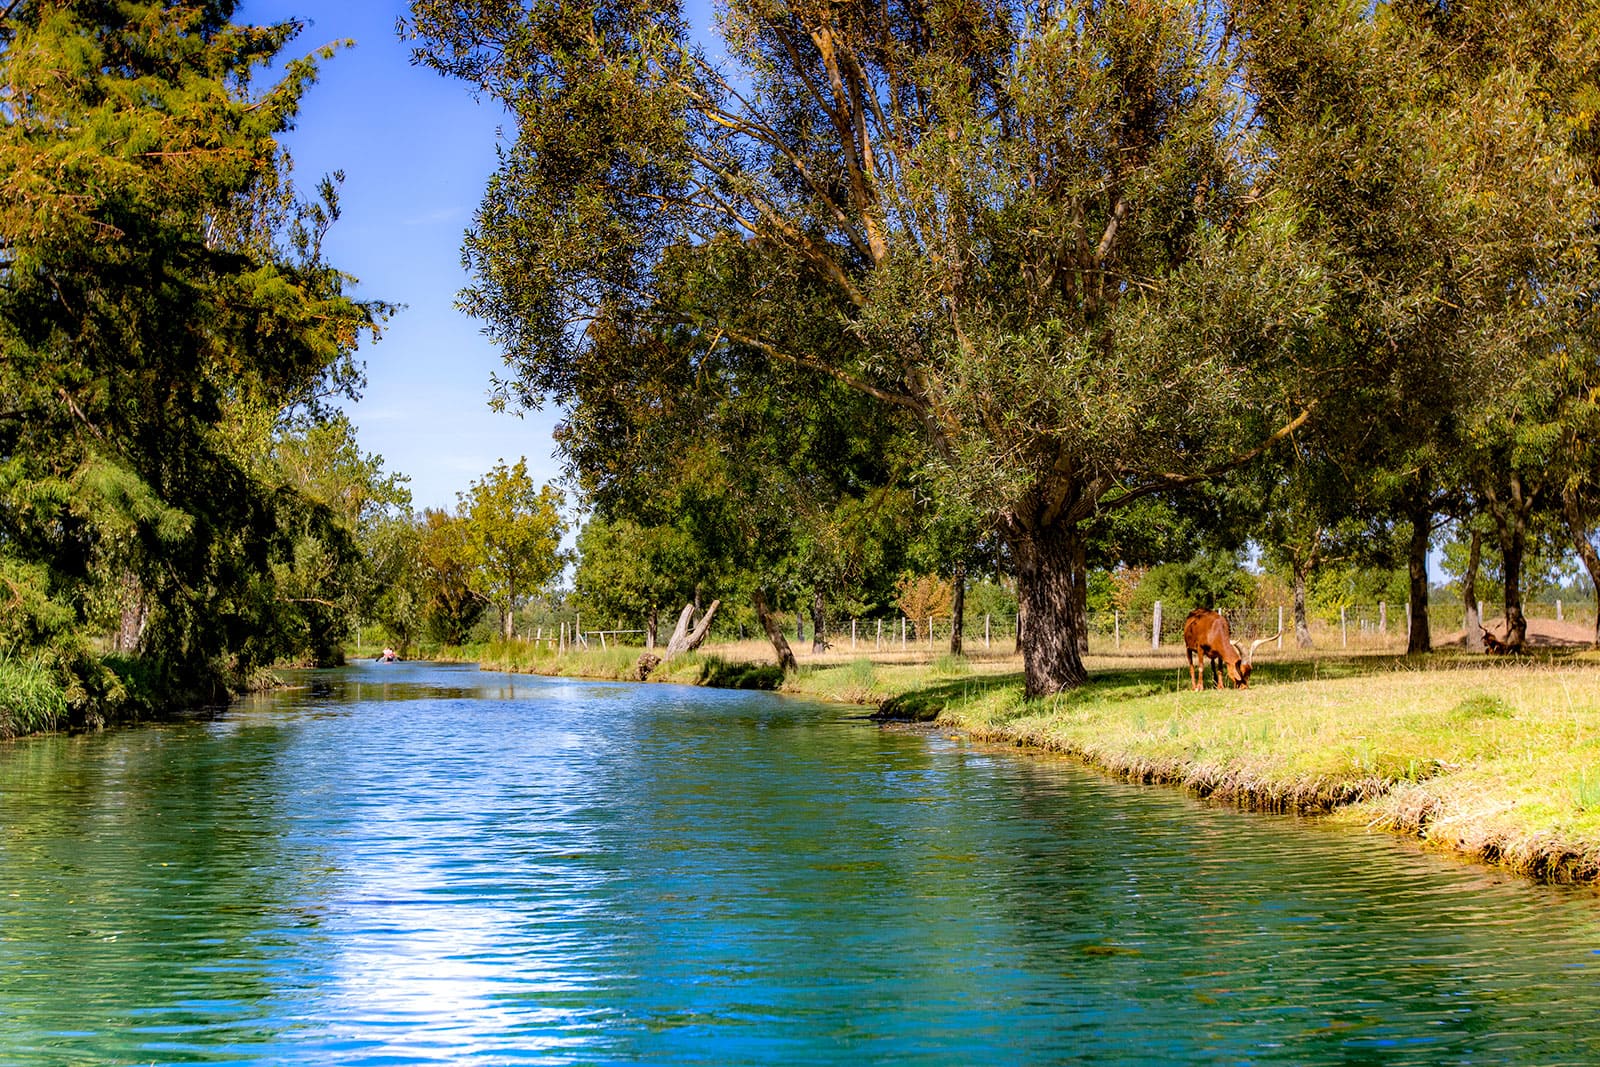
<point>1359,627</point>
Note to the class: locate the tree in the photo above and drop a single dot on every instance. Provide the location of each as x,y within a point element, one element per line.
<point>1042,238</point>
<point>629,572</point>
<point>164,303</point>
<point>352,554</point>
<point>513,534</point>
<point>451,605</point>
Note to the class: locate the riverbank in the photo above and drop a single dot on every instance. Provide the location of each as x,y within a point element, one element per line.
<point>1494,760</point>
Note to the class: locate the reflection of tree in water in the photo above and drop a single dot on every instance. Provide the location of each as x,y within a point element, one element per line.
<point>148,879</point>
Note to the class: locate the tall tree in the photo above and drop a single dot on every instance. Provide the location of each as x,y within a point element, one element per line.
<point>163,298</point>
<point>513,532</point>
<point>1039,234</point>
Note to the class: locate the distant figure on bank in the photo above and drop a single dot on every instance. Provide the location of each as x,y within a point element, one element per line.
<point>388,655</point>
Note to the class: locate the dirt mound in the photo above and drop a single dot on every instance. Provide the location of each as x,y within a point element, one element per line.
<point>1542,633</point>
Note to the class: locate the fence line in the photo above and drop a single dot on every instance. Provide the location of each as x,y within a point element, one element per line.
<point>1355,626</point>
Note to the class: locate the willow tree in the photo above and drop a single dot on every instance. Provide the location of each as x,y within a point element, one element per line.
<point>1039,229</point>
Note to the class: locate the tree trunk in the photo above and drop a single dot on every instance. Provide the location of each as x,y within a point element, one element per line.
<point>1048,637</point>
<point>1513,541</point>
<point>1577,528</point>
<point>679,632</point>
<point>508,620</point>
<point>1421,515</point>
<point>688,642</point>
<point>799,627</point>
<point>819,629</point>
<point>958,607</point>
<point>1080,594</point>
<point>134,614</point>
<point>1302,629</point>
<point>1511,506</point>
<point>1469,592</point>
<point>652,623</point>
<point>774,631</point>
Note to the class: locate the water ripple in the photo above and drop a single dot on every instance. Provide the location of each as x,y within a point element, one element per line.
<point>411,864</point>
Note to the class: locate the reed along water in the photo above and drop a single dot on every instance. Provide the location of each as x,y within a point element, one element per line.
<point>407,863</point>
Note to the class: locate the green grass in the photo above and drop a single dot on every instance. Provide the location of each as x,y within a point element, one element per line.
<point>31,700</point>
<point>1500,761</point>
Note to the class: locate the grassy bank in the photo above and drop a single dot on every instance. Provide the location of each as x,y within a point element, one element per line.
<point>1497,760</point>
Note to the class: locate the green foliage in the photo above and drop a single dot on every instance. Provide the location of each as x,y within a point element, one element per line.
<point>163,304</point>
<point>1211,580</point>
<point>444,570</point>
<point>512,533</point>
<point>633,574</point>
<point>1096,256</point>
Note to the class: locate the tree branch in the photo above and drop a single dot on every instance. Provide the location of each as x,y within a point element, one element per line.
<point>859,384</point>
<point>1163,482</point>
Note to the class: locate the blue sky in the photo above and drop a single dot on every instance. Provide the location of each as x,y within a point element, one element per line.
<point>416,151</point>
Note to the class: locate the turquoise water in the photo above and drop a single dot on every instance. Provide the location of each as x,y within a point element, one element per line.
<point>418,864</point>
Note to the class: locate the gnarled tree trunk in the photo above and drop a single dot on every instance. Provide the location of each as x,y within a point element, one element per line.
<point>1048,631</point>
<point>774,632</point>
<point>692,639</point>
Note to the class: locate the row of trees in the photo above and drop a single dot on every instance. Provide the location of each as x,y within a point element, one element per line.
<point>1079,283</point>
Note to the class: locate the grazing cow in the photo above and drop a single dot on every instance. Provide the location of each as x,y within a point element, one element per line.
<point>1206,639</point>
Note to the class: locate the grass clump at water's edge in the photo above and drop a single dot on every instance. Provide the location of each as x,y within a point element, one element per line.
<point>31,699</point>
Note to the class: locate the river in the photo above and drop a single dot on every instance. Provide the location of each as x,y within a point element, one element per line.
<point>410,863</point>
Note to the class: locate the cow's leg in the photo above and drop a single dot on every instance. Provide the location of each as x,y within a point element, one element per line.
<point>1196,674</point>
<point>1217,669</point>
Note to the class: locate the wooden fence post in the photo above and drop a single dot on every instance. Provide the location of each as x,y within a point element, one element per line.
<point>1155,627</point>
<point>1280,627</point>
<point>1344,634</point>
<point>852,635</point>
<point>985,630</point>
<point>1116,625</point>
<point>1383,617</point>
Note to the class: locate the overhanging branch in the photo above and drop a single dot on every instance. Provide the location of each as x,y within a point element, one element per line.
<point>1160,483</point>
<point>860,385</point>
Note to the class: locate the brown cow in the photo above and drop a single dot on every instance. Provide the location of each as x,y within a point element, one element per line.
<point>1205,635</point>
